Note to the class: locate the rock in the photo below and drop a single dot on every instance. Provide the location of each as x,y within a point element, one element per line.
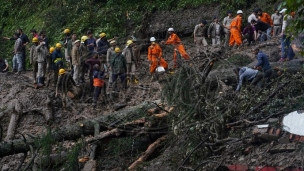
<point>283,140</point>
<point>5,167</point>
<point>118,106</point>
<point>272,120</point>
<point>90,166</point>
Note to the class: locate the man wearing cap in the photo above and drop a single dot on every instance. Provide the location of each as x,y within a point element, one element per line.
<point>119,68</point>
<point>199,34</point>
<point>76,60</point>
<point>287,51</point>
<point>42,53</point>
<point>253,16</point>
<point>131,62</point>
<point>178,46</point>
<point>33,58</point>
<point>70,47</point>
<point>277,22</point>
<point>57,61</point>
<point>215,31</point>
<point>155,56</point>
<point>226,23</point>
<point>110,53</point>
<point>136,51</point>
<point>91,42</point>
<point>235,29</point>
<point>67,38</point>
<point>91,62</point>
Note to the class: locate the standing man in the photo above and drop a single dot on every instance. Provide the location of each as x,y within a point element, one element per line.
<point>119,68</point>
<point>199,34</point>
<point>98,83</point>
<point>155,56</point>
<point>102,48</point>
<point>214,31</point>
<point>91,42</point>
<point>235,30</point>
<point>136,51</point>
<point>277,23</point>
<point>131,63</point>
<point>226,23</point>
<point>76,61</point>
<point>178,46</point>
<point>57,60</point>
<point>110,53</point>
<point>253,16</point>
<point>18,50</point>
<point>287,51</point>
<point>70,47</point>
<point>265,17</point>
<point>91,62</point>
<point>67,38</point>
<point>42,53</point>
<point>25,41</point>
<point>263,64</point>
<point>34,58</point>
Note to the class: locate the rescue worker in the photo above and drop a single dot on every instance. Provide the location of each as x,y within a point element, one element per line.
<point>42,53</point>
<point>49,65</point>
<point>76,60</point>
<point>18,50</point>
<point>287,51</point>
<point>90,63</point>
<point>57,61</point>
<point>265,17</point>
<point>263,64</point>
<point>119,69</point>
<point>110,53</point>
<point>64,85</point>
<point>199,35</point>
<point>102,47</point>
<point>178,46</point>
<point>98,83</point>
<point>131,62</point>
<point>235,30</point>
<point>91,42</point>
<point>253,16</point>
<point>155,56</point>
<point>25,41</point>
<point>136,51</point>
<point>84,55</point>
<point>3,65</point>
<point>277,23</point>
<point>70,47</point>
<point>226,24</point>
<point>34,58</point>
<point>215,31</point>
<point>67,38</point>
<point>261,28</point>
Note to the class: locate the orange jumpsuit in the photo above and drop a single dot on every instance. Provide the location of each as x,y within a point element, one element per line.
<point>174,40</point>
<point>155,54</point>
<point>235,30</point>
<point>266,18</point>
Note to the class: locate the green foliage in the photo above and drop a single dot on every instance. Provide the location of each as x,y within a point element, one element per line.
<point>72,157</point>
<point>46,143</point>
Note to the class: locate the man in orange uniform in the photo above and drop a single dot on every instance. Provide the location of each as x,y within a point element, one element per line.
<point>235,30</point>
<point>178,46</point>
<point>265,17</point>
<point>155,56</point>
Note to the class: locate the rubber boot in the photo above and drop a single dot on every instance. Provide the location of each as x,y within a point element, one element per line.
<point>39,82</point>
<point>42,81</point>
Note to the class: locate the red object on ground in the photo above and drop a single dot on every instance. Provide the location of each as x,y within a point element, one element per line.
<point>237,167</point>
<point>265,168</point>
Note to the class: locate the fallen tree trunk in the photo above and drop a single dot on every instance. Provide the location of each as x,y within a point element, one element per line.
<point>75,131</point>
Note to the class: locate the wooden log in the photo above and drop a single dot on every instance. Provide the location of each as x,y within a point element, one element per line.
<point>75,131</point>
<point>148,152</point>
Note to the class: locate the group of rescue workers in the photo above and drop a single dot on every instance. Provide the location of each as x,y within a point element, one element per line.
<point>102,58</point>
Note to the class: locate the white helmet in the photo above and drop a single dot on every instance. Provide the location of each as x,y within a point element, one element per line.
<point>170,29</point>
<point>239,12</point>
<point>152,39</point>
<point>283,10</point>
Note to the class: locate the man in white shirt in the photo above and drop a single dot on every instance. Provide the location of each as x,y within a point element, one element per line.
<point>253,16</point>
<point>226,23</point>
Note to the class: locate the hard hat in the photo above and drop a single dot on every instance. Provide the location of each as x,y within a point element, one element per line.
<point>117,50</point>
<point>112,42</point>
<point>170,29</point>
<point>52,49</point>
<point>84,38</point>
<point>239,12</point>
<point>58,45</point>
<point>129,42</point>
<point>152,39</point>
<point>35,40</point>
<point>96,66</point>
<point>102,35</point>
<point>283,10</point>
<point>66,31</point>
<point>61,71</point>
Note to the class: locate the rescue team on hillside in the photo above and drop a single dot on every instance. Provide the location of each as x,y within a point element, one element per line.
<point>102,58</point>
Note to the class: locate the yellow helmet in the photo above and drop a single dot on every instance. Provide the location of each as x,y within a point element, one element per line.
<point>129,42</point>
<point>66,31</point>
<point>52,49</point>
<point>84,38</point>
<point>102,35</point>
<point>117,50</point>
<point>58,45</point>
<point>61,71</point>
<point>35,40</point>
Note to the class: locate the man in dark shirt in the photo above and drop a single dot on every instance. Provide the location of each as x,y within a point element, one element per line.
<point>249,33</point>
<point>261,28</point>
<point>91,42</point>
<point>25,41</point>
<point>263,64</point>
